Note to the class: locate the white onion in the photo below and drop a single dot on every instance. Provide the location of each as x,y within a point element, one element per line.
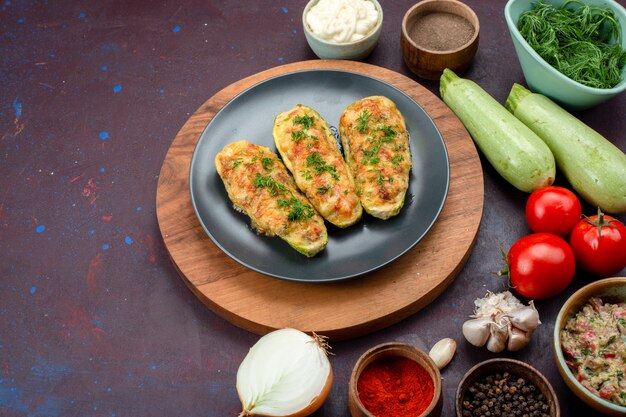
<point>286,373</point>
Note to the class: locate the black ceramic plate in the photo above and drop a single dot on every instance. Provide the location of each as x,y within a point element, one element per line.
<point>351,252</point>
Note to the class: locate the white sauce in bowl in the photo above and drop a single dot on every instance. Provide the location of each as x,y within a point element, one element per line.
<point>342,21</point>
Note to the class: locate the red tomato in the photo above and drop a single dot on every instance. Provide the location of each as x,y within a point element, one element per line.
<point>599,244</point>
<point>553,210</point>
<point>541,265</point>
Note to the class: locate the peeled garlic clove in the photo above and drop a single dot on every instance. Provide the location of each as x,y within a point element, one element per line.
<point>497,338</point>
<point>442,352</point>
<point>525,318</point>
<point>517,339</point>
<point>476,331</point>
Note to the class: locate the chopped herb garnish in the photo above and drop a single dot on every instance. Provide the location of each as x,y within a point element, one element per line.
<point>297,210</point>
<point>397,159</point>
<point>307,174</point>
<point>298,135</point>
<point>324,189</point>
<point>316,161</point>
<point>363,120</point>
<point>236,163</point>
<point>388,132</point>
<point>306,121</point>
<point>586,351</point>
<point>267,163</point>
<point>269,183</point>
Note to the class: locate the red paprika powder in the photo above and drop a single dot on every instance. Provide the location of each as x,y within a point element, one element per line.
<point>395,386</point>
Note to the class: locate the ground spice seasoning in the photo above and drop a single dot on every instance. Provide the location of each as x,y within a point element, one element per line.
<point>395,386</point>
<point>441,31</point>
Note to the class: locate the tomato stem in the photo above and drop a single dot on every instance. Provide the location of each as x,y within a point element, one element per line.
<point>505,269</point>
<point>599,222</point>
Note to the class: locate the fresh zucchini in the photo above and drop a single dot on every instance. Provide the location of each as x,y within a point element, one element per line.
<point>594,167</point>
<point>514,150</point>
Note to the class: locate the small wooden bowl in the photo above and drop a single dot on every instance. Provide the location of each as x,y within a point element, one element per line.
<point>428,63</point>
<point>500,365</point>
<point>609,290</point>
<point>385,350</point>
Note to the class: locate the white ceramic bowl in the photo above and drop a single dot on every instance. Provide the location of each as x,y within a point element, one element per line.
<point>355,50</point>
<point>543,78</point>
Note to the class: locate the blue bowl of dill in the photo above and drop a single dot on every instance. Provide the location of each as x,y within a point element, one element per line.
<point>571,51</point>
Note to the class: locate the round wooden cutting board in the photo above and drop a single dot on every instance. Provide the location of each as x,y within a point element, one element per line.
<point>340,310</point>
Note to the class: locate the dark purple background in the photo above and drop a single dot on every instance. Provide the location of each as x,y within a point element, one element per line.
<point>94,320</point>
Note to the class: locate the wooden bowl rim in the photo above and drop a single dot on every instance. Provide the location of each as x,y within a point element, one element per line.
<point>575,302</point>
<point>485,365</point>
<point>382,350</point>
<point>475,22</point>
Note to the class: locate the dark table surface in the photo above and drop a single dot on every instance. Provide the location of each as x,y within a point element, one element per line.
<point>94,320</point>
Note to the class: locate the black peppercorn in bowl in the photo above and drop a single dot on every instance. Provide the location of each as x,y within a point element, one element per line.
<point>500,386</point>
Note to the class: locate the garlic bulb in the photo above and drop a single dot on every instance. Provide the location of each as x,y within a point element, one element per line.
<point>525,318</point>
<point>286,373</point>
<point>501,321</point>
<point>517,339</point>
<point>477,331</point>
<point>498,334</point>
<point>442,352</point>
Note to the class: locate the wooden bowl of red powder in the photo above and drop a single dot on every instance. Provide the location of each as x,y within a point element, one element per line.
<point>395,379</point>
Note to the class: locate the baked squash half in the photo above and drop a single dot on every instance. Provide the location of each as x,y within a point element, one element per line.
<point>376,146</point>
<point>309,150</point>
<point>260,186</point>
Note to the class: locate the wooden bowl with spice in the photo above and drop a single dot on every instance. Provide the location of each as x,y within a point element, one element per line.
<point>439,34</point>
<point>504,387</point>
<point>395,379</point>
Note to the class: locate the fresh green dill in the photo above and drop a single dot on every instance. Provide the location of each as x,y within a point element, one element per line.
<point>267,163</point>
<point>298,135</point>
<point>581,41</point>
<point>586,351</point>
<point>396,159</point>
<point>236,163</point>
<point>316,162</point>
<point>306,121</point>
<point>297,209</point>
<point>370,156</point>
<point>389,134</point>
<point>268,182</point>
<point>324,189</point>
<point>363,120</point>
<point>307,175</point>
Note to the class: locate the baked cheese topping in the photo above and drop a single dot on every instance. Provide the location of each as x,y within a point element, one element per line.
<point>309,150</point>
<point>376,145</point>
<point>259,185</point>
